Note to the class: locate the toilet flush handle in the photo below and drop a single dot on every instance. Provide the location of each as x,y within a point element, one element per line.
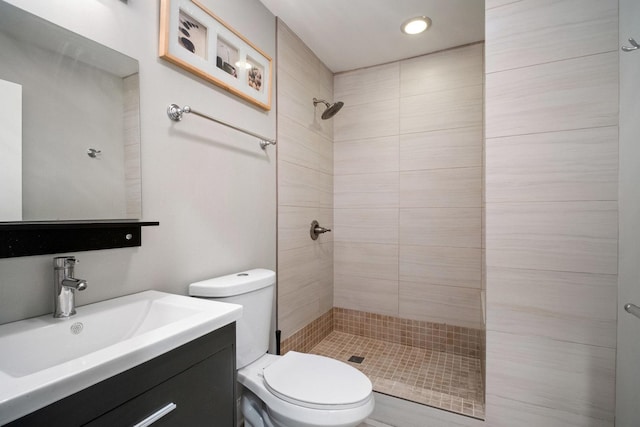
<point>316,230</point>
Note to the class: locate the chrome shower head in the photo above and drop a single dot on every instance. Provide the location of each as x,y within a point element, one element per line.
<point>331,110</point>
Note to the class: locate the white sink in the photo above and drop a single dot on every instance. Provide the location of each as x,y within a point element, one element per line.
<point>45,359</point>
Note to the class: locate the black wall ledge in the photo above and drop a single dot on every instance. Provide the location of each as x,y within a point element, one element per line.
<point>28,238</point>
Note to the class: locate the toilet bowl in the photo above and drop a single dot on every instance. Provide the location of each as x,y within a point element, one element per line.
<point>294,390</point>
<point>305,390</point>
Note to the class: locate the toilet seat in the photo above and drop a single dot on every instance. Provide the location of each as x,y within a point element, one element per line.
<point>283,413</point>
<point>317,382</point>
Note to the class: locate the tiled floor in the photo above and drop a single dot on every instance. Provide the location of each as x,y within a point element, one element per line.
<point>433,378</point>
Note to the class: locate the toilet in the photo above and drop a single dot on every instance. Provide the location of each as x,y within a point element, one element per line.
<point>294,390</point>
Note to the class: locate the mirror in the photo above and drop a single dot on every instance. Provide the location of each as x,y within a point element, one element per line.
<point>69,125</point>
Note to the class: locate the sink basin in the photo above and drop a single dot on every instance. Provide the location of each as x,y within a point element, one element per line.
<point>45,359</point>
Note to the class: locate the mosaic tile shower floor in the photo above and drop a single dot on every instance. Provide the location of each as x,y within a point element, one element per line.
<point>433,378</point>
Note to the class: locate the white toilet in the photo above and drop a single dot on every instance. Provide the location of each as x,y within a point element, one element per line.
<point>294,390</point>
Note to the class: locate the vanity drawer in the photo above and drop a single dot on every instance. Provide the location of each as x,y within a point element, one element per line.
<point>203,396</point>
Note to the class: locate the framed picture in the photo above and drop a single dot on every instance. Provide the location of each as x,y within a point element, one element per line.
<point>194,38</point>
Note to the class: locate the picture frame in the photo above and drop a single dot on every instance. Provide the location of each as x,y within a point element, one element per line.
<point>195,39</point>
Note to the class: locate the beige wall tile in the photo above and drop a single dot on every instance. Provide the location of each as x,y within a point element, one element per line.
<point>368,85</point>
<point>366,161</point>
<point>300,266</point>
<point>400,412</point>
<point>449,69</point>
<point>367,179</point>
<point>305,185</point>
<point>309,302</point>
<point>570,165</point>
<point>372,120</point>
<point>574,307</point>
<point>551,243</point>
<point>441,304</point>
<point>301,186</point>
<point>325,80</point>
<point>448,148</point>
<point>366,156</point>
<point>366,294</point>
<point>305,285</point>
<point>295,101</point>
<point>369,225</point>
<point>366,260</point>
<point>484,269</point>
<point>458,187</point>
<point>455,227</point>
<point>490,4</point>
<point>299,61</point>
<point>506,412</point>
<point>572,94</point>
<point>326,127</point>
<point>565,376</point>
<point>294,57</point>
<point>561,236</point>
<point>375,190</point>
<point>537,31</point>
<point>294,224</point>
<point>446,109</point>
<point>440,266</point>
<point>296,144</point>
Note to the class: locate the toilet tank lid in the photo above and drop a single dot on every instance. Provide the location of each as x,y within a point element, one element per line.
<point>233,284</point>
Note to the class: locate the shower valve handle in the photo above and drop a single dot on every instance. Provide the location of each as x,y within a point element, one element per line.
<point>316,230</point>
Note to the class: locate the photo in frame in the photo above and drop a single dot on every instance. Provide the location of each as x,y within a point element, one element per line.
<point>192,35</point>
<point>195,39</point>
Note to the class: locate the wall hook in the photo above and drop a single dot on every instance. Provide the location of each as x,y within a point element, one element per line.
<point>93,153</point>
<point>634,46</point>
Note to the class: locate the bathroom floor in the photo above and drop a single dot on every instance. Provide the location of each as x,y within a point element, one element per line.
<point>433,378</point>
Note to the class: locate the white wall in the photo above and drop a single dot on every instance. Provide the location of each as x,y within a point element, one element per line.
<point>211,188</point>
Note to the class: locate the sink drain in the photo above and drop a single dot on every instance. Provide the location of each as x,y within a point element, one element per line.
<point>76,328</point>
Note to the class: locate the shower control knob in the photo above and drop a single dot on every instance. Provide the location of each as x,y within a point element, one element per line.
<point>316,230</point>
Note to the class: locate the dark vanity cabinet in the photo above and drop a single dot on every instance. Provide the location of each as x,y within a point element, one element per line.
<point>198,378</point>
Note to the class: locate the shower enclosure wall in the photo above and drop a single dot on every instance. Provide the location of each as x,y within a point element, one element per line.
<point>397,175</point>
<point>305,185</point>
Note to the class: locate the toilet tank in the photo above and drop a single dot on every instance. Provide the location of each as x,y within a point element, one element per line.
<point>253,290</point>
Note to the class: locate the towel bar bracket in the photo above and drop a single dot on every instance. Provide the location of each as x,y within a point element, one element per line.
<point>632,309</point>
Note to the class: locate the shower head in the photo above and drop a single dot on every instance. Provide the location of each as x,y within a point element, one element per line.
<point>331,110</point>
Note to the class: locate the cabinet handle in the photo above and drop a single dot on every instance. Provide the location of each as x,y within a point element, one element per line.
<point>157,415</point>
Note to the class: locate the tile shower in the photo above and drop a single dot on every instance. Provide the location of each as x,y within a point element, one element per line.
<point>423,362</point>
<point>398,174</point>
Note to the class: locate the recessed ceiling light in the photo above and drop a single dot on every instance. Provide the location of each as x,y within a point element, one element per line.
<point>416,25</point>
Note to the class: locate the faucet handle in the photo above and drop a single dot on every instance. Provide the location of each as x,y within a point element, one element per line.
<point>65,261</point>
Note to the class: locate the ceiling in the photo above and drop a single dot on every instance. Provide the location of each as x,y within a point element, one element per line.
<point>350,34</point>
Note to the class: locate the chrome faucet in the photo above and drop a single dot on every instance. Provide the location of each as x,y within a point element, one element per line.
<point>65,286</point>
